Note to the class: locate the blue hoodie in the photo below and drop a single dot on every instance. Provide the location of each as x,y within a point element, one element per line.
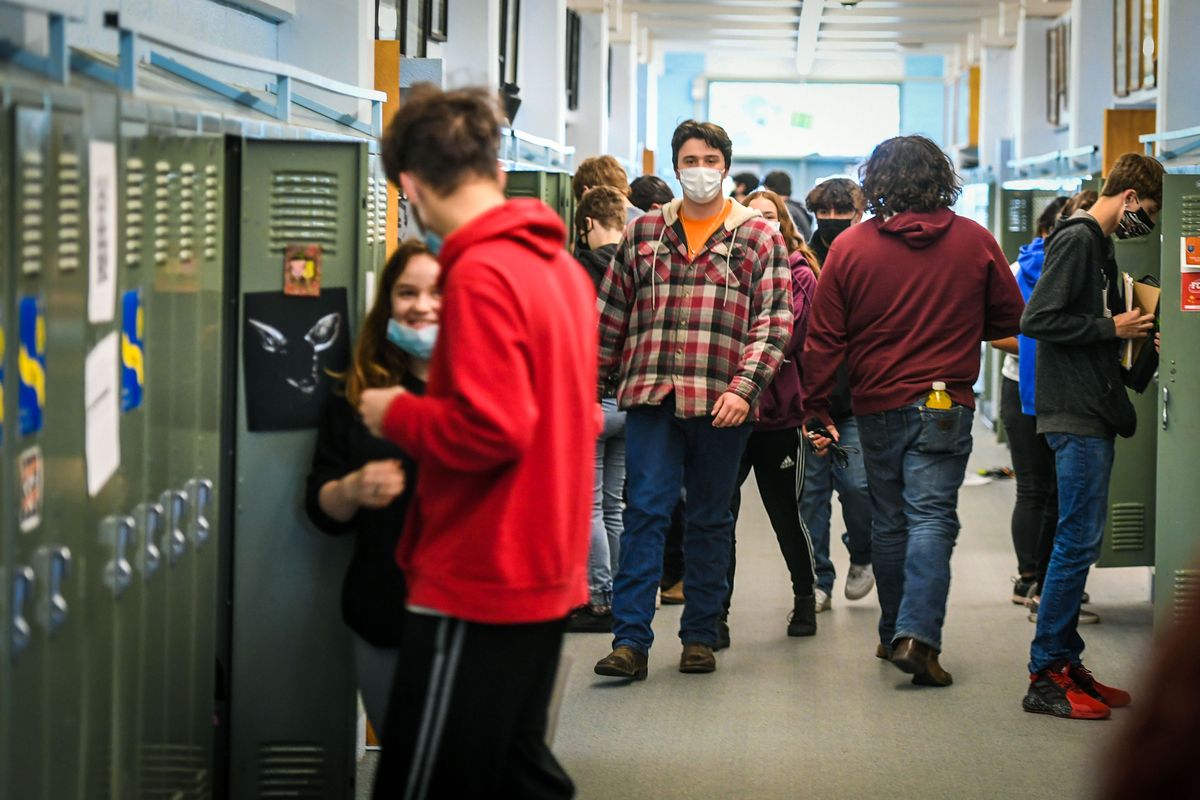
<point>1029,269</point>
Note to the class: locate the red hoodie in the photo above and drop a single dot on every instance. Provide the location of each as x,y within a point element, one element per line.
<point>499,526</point>
<point>906,302</point>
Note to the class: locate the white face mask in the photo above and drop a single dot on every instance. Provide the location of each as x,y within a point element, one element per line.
<point>775,224</point>
<point>701,184</point>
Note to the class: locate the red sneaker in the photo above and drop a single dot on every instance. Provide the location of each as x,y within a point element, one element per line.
<point>1052,691</point>
<point>1109,695</point>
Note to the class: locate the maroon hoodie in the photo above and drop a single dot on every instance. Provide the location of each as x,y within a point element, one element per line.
<point>906,302</point>
<point>782,404</point>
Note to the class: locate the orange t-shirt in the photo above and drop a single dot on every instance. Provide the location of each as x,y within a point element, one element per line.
<point>697,231</point>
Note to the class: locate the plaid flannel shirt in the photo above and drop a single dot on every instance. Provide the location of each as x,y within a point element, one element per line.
<point>699,329</point>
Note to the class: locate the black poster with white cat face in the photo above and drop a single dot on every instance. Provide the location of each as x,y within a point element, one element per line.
<point>290,345</point>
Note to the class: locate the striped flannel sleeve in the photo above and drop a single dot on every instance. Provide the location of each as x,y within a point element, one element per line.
<point>770,321</point>
<point>614,300</point>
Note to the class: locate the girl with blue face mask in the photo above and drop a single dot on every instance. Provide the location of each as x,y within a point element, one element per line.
<point>360,483</point>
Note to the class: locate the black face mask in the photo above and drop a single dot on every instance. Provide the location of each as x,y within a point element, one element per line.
<point>1134,224</point>
<point>829,229</point>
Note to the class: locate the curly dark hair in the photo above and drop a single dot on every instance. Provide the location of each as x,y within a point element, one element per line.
<point>909,173</point>
<point>647,190</point>
<point>839,195</point>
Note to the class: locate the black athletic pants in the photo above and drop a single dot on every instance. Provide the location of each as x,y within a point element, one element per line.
<point>1035,513</point>
<point>467,714</point>
<point>777,458</point>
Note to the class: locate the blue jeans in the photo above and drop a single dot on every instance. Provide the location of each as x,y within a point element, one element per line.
<point>916,459</point>
<point>606,505</point>
<point>1084,464</point>
<point>665,453</point>
<point>816,505</point>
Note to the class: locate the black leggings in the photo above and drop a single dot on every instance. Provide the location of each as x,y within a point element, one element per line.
<point>1035,514</point>
<point>778,461</point>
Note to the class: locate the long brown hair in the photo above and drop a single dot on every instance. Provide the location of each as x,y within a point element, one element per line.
<point>377,364</point>
<point>791,237</point>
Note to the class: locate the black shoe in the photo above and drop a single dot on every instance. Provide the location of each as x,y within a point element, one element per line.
<point>1023,589</point>
<point>803,619</point>
<point>722,635</point>
<point>591,619</point>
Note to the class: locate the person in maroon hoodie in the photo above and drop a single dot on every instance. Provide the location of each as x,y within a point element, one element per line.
<point>495,549</point>
<point>905,299</point>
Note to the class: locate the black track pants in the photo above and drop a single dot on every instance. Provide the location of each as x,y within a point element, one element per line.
<point>467,714</point>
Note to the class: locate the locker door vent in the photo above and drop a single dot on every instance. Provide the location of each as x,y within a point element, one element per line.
<point>1128,527</point>
<point>304,210</point>
<point>164,180</point>
<point>135,210</point>
<point>69,187</point>
<point>187,212</point>
<point>291,769</point>
<point>33,177</point>
<point>175,772</point>
<point>212,188</point>
<point>1186,595</point>
<point>1018,214</point>
<point>374,221</point>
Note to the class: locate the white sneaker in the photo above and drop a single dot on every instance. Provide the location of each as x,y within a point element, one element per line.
<point>860,581</point>
<point>822,599</point>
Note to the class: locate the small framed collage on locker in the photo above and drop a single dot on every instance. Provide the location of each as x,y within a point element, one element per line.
<point>1135,46</point>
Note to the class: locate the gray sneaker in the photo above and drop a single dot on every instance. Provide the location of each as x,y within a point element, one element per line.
<point>1085,617</point>
<point>860,581</point>
<point>822,600</point>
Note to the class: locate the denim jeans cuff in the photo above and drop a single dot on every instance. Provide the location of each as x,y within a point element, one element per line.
<point>929,640</point>
<point>645,651</point>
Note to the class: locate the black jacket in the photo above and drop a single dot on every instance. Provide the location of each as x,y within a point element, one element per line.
<point>1079,386</point>
<point>596,261</point>
<point>373,593</point>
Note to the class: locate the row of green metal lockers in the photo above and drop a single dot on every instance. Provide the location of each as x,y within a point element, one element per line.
<point>172,630</point>
<point>1154,502</point>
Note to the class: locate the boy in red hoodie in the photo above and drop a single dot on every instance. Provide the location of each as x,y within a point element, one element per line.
<point>496,545</point>
<point>905,300</point>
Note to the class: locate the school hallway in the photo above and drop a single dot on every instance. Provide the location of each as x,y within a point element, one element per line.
<point>822,717</point>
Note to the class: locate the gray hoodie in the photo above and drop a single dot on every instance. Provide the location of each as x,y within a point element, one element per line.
<point>1079,386</point>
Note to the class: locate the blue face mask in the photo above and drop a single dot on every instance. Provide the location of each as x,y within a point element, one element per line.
<point>432,241</point>
<point>417,342</point>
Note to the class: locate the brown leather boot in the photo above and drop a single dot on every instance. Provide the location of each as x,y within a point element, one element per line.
<point>884,652</point>
<point>921,661</point>
<point>697,658</point>
<point>674,595</point>
<point>623,662</point>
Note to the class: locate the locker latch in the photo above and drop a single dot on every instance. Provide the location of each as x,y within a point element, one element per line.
<point>148,519</point>
<point>1166,405</point>
<point>199,493</point>
<point>54,565</point>
<point>22,588</point>
<point>174,503</point>
<point>116,532</point>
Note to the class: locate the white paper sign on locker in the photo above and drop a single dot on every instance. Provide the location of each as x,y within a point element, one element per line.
<point>102,395</point>
<point>102,230</point>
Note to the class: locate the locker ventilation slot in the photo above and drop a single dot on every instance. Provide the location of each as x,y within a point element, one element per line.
<point>372,212</point>
<point>1128,527</point>
<point>175,772</point>
<point>33,177</point>
<point>164,179</point>
<point>186,230</point>
<point>1018,214</point>
<point>135,220</point>
<point>212,180</point>
<point>291,770</point>
<point>304,210</point>
<point>1186,594</point>
<point>69,184</point>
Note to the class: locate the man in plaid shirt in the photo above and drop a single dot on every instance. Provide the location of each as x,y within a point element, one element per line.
<point>695,311</point>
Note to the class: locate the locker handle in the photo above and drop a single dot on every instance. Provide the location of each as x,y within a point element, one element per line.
<point>148,517</point>
<point>22,588</point>
<point>174,542</point>
<point>1166,405</point>
<point>199,493</point>
<point>55,565</point>
<point>116,532</point>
